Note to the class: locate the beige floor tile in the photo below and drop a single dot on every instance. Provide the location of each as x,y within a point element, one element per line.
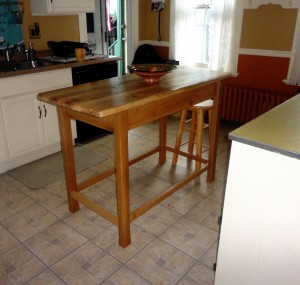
<point>46,278</point>
<point>157,220</point>
<point>160,263</point>
<point>200,274</point>
<point>173,243</point>
<point>109,201</point>
<point>19,266</point>
<point>7,241</point>
<point>6,184</point>
<point>55,242</point>
<point>109,241</point>
<point>210,257</point>
<point>206,213</point>
<point>87,265</point>
<point>37,195</point>
<point>29,222</point>
<point>58,189</point>
<point>218,194</point>
<point>182,201</point>
<point>148,186</point>
<point>87,222</point>
<point>57,206</point>
<point>103,166</point>
<point>125,276</point>
<point>203,188</point>
<point>99,190</point>
<point>12,203</point>
<point>190,237</point>
<point>53,198</point>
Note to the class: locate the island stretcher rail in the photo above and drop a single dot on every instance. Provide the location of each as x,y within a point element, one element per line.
<point>124,103</point>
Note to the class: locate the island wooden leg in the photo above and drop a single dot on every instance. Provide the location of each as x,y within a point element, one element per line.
<point>162,139</point>
<point>68,157</point>
<point>213,141</point>
<point>122,178</point>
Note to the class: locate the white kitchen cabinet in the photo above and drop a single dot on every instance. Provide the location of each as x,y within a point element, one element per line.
<point>65,7</point>
<point>29,124</point>
<point>29,127</point>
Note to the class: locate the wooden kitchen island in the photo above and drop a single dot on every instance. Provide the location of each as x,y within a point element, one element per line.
<point>124,103</point>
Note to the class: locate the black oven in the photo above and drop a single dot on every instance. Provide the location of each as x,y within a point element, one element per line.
<point>90,73</point>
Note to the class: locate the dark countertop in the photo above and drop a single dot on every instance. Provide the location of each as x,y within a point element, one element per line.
<point>57,66</point>
<point>278,130</point>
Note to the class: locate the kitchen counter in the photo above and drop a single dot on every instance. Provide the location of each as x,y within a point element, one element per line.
<point>57,66</point>
<point>277,130</point>
<point>260,232</point>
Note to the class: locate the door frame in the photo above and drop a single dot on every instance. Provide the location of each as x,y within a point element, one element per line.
<point>130,33</point>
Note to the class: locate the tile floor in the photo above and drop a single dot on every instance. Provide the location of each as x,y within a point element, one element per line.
<point>41,242</point>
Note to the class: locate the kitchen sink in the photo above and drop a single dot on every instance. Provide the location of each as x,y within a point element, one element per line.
<point>6,66</point>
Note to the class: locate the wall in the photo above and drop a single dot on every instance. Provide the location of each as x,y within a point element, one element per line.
<point>148,22</point>
<point>54,28</point>
<point>270,27</point>
<point>266,31</point>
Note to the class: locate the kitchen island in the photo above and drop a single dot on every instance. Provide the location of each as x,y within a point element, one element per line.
<point>259,240</point>
<point>124,103</point>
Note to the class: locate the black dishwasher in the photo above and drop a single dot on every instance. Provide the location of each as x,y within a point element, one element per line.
<point>90,73</point>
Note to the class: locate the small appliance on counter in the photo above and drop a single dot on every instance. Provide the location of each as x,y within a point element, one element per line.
<point>64,51</point>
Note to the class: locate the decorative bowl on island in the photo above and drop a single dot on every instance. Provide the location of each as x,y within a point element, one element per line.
<point>151,72</point>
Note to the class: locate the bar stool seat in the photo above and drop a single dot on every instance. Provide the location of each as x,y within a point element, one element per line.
<point>195,129</point>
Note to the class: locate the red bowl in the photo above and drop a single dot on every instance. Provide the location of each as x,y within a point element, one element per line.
<point>151,72</point>
<point>151,77</point>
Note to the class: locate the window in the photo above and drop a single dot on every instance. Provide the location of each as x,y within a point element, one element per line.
<point>203,33</point>
<point>201,17</point>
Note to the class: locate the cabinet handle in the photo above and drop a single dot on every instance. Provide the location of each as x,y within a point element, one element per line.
<point>40,112</point>
<point>45,111</point>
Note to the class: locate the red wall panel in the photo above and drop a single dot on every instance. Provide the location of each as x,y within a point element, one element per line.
<point>263,72</point>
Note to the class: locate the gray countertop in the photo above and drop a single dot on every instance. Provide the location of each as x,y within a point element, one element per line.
<point>57,66</point>
<point>278,130</point>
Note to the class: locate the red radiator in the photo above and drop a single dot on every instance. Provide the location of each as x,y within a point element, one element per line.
<point>241,105</point>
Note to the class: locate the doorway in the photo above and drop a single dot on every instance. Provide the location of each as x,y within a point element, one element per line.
<point>107,36</point>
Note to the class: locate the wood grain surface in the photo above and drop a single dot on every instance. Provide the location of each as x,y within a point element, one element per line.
<point>107,97</point>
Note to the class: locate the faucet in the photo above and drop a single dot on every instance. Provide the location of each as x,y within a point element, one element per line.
<point>7,54</point>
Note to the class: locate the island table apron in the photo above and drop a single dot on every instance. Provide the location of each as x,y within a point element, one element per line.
<point>119,105</point>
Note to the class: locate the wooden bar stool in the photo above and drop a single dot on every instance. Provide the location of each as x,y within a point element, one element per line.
<point>197,125</point>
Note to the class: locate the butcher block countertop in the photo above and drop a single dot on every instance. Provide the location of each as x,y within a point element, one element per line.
<point>57,66</point>
<point>108,97</point>
<point>277,130</point>
<point>124,103</point>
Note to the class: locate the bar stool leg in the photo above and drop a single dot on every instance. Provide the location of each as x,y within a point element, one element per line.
<point>209,122</point>
<point>200,121</point>
<point>179,136</point>
<point>193,128</point>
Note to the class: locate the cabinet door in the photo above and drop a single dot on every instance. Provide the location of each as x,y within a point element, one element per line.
<point>51,126</point>
<point>44,7</point>
<point>3,143</point>
<point>72,5</point>
<point>23,124</point>
<point>50,122</point>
